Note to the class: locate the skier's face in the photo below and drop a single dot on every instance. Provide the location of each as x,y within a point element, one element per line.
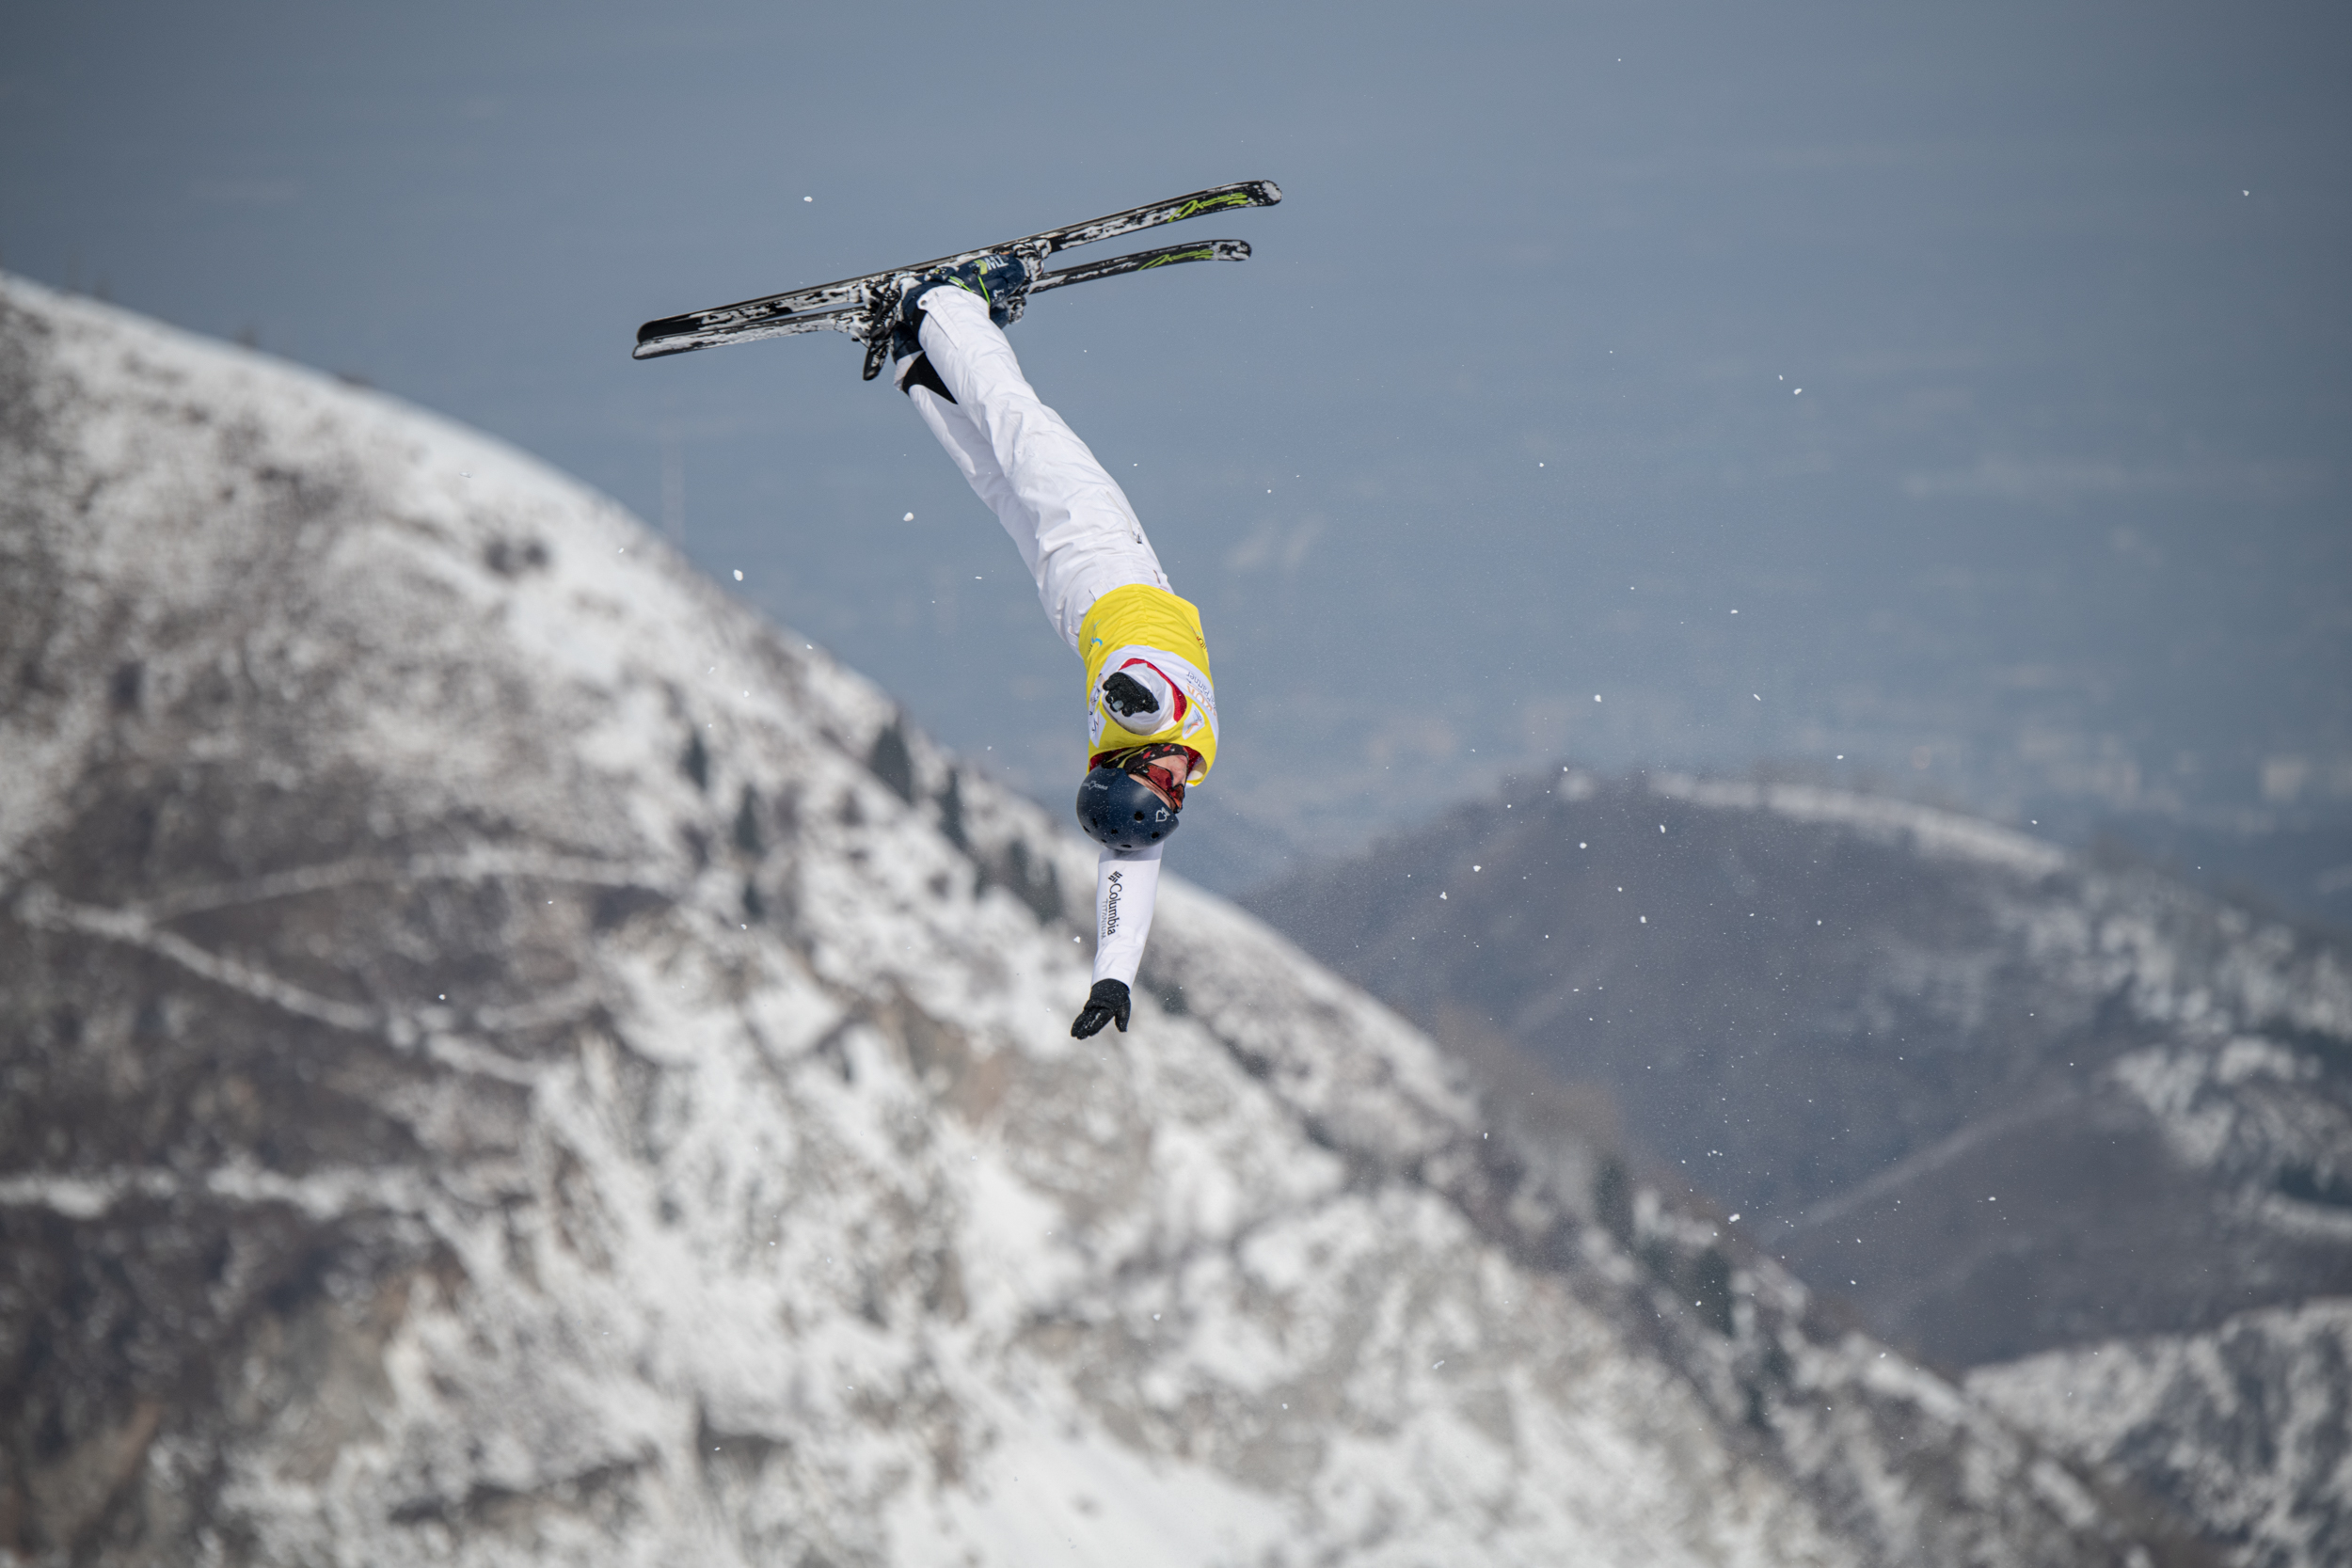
<point>1149,779</point>
<point>1164,770</point>
<point>1163,775</point>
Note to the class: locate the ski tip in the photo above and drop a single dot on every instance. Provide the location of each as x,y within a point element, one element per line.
<point>667,326</point>
<point>680,336</point>
<point>1268,190</point>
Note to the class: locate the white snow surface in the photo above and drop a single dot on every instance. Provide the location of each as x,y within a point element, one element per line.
<point>814,1239</point>
<point>1924,830</point>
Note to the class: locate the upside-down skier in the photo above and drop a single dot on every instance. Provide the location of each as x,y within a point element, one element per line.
<point>1150,712</point>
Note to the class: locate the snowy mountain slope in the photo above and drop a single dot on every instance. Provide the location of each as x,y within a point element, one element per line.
<point>2251,1422</point>
<point>2003,1099</point>
<point>509,1059</point>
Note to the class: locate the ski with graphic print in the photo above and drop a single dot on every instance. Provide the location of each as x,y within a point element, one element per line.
<point>859,305</point>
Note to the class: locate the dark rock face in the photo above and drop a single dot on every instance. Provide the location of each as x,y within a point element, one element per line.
<point>507,1059</point>
<point>230,930</point>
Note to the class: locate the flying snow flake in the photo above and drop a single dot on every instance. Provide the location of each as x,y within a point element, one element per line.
<point>738,574</point>
<point>1597,696</point>
<point>808,199</point>
<point>1758,695</point>
<point>908,518</point>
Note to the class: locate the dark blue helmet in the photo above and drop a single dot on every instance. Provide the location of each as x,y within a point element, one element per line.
<point>1117,809</point>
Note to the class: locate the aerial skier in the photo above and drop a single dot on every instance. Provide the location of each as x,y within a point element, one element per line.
<point>1150,712</point>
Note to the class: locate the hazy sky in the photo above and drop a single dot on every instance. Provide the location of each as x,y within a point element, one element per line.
<point>1988,360</point>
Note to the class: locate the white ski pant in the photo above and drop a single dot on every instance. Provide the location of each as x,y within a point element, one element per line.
<point>1069,519</point>
<point>1074,528</point>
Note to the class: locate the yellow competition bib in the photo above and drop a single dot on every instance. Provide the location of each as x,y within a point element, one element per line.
<point>1151,624</point>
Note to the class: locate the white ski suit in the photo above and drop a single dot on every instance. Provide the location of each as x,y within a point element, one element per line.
<point>1082,541</point>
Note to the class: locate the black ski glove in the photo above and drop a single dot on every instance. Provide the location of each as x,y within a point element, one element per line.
<point>1105,1004</point>
<point>1127,696</point>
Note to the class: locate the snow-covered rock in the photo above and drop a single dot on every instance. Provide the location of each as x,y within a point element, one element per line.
<point>509,1058</point>
<point>2249,1424</point>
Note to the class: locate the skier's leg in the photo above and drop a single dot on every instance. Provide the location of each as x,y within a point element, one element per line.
<point>975,460</point>
<point>1075,530</point>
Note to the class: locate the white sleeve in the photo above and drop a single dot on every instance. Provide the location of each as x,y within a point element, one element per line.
<point>1125,884</point>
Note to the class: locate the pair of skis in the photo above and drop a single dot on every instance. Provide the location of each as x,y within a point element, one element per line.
<point>862,307</point>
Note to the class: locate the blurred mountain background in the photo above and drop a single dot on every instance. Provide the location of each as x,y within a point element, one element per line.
<point>2063,1101</point>
<point>2072,1130</point>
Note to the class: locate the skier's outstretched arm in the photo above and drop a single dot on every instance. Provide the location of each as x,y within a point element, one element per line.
<point>1126,885</point>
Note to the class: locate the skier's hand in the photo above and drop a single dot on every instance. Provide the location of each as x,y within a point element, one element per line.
<point>1106,1004</point>
<point>1127,696</point>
